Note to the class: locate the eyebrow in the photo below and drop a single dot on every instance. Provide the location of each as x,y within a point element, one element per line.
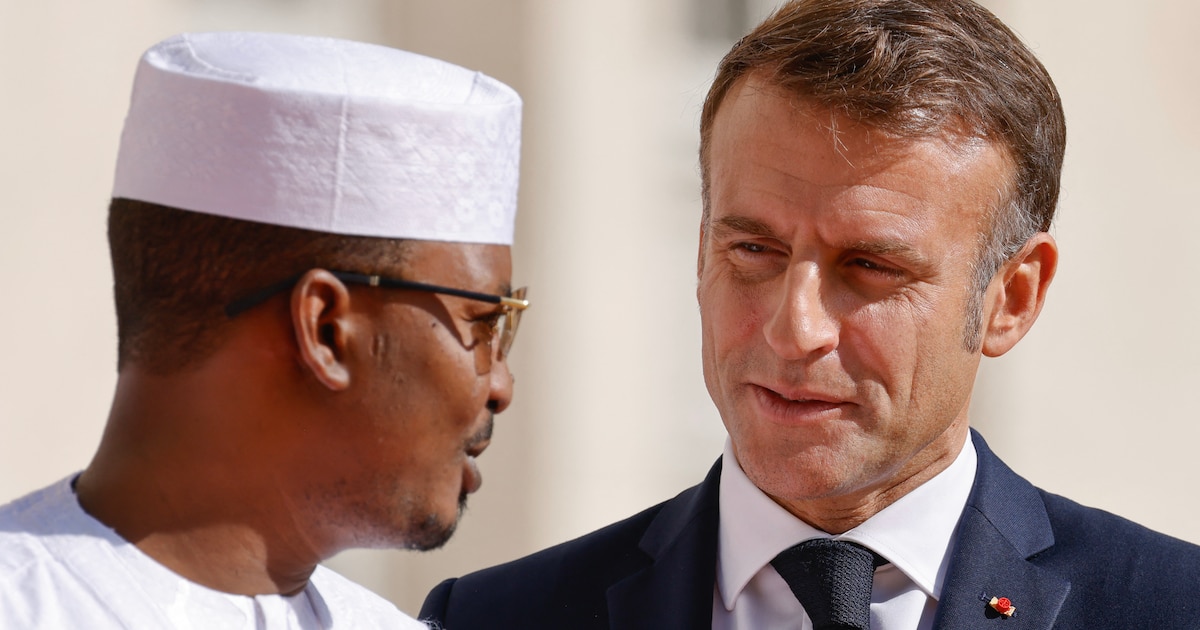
<point>747,225</point>
<point>505,291</point>
<point>887,248</point>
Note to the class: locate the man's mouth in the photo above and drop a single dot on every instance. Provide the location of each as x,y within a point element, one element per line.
<point>475,446</point>
<point>792,405</point>
<point>801,395</point>
<point>481,439</point>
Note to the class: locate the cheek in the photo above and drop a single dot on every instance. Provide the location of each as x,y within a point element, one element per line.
<point>434,370</point>
<point>881,348</point>
<point>729,318</point>
<point>917,356</point>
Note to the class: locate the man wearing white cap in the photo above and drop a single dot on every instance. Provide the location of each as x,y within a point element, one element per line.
<point>310,243</point>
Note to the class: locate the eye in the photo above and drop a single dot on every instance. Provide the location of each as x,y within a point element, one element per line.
<point>756,259</point>
<point>874,266</point>
<point>489,319</point>
<point>483,328</point>
<point>753,248</point>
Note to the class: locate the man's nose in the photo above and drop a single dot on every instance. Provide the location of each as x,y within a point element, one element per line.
<point>500,383</point>
<point>800,324</point>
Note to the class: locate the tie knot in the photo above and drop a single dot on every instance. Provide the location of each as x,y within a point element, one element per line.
<point>832,579</point>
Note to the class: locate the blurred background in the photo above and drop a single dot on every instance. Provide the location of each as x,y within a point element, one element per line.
<point>611,414</point>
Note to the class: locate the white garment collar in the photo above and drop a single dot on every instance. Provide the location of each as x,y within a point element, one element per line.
<point>915,534</point>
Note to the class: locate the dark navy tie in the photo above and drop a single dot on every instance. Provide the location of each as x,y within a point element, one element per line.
<point>832,579</point>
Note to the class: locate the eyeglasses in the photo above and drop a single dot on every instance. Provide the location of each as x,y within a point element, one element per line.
<point>493,335</point>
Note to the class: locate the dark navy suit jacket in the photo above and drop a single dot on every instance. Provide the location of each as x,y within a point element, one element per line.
<point>1062,565</point>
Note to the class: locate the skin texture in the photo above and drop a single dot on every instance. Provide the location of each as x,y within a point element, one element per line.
<point>334,417</point>
<point>834,277</point>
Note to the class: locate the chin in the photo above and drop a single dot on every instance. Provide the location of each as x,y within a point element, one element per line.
<point>435,530</point>
<point>807,474</point>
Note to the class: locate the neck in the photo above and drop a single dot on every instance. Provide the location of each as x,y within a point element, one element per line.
<point>191,483</point>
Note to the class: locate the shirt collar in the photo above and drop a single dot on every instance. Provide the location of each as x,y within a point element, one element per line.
<point>915,533</point>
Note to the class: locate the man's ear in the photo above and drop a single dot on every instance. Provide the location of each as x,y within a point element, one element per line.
<point>1018,293</point>
<point>320,312</point>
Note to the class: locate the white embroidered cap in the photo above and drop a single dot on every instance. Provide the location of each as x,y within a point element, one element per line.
<point>322,134</point>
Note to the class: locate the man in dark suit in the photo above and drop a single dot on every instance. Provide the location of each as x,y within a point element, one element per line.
<point>879,180</point>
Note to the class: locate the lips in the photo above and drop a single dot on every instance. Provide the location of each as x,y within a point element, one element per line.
<point>472,478</point>
<point>797,406</point>
<point>803,396</point>
<point>475,450</point>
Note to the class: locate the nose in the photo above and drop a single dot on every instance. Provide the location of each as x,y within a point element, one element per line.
<point>500,386</point>
<point>800,325</point>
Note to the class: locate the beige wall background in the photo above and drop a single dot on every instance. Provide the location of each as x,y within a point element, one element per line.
<point>611,413</point>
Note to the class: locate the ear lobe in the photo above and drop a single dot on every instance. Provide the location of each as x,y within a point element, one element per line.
<point>320,310</point>
<point>1018,293</point>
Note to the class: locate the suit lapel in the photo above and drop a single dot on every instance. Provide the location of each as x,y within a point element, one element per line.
<point>676,590</point>
<point>1003,526</point>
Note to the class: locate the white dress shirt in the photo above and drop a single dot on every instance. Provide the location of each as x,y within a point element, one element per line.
<point>915,534</point>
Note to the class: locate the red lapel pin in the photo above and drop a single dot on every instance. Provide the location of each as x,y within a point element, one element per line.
<point>1003,605</point>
